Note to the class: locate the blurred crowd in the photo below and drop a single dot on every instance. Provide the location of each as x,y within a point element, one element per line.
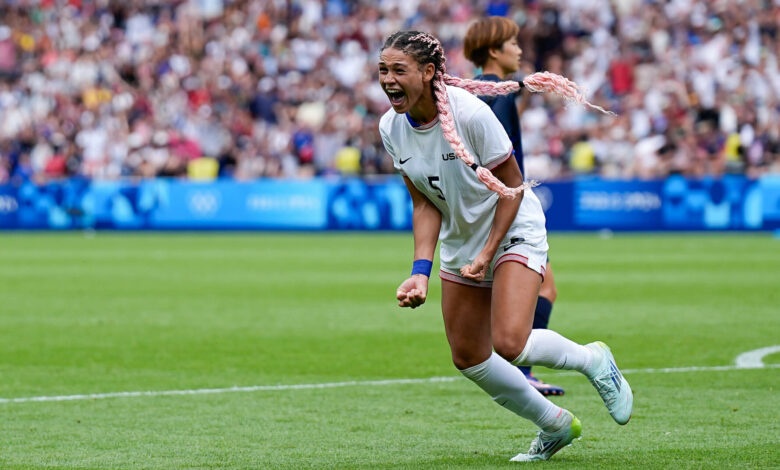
<point>288,88</point>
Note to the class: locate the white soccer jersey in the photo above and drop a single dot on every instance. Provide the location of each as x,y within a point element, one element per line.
<point>467,206</point>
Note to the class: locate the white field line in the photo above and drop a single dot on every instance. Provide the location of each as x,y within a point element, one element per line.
<point>255,388</point>
<point>755,357</point>
<point>351,383</point>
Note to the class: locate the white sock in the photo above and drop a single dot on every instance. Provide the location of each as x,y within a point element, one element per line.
<point>548,348</point>
<point>509,388</point>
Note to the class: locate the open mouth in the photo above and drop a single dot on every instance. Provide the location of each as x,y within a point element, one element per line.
<point>396,97</point>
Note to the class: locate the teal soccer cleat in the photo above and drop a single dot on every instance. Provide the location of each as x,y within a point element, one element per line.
<point>546,444</point>
<point>611,384</point>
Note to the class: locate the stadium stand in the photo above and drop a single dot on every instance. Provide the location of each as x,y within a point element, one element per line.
<point>275,88</point>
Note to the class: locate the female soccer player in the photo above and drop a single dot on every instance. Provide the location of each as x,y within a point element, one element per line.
<point>493,241</point>
<point>491,43</point>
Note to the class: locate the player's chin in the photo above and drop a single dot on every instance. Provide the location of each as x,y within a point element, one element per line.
<point>401,109</point>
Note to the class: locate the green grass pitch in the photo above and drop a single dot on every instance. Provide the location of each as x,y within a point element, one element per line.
<point>104,313</point>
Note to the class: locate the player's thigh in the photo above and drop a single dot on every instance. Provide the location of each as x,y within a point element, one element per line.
<point>466,311</point>
<point>548,290</point>
<point>515,289</point>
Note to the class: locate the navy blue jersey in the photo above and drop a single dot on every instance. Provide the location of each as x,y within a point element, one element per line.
<point>505,109</point>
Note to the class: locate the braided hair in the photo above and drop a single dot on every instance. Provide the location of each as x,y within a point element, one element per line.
<point>424,48</point>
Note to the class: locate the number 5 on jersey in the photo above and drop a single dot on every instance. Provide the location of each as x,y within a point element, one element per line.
<point>432,181</point>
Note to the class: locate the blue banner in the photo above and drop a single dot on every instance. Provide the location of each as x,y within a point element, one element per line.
<point>766,194</point>
<point>382,204</point>
<point>728,203</point>
<point>9,207</point>
<point>273,204</point>
<point>621,205</point>
<point>556,199</point>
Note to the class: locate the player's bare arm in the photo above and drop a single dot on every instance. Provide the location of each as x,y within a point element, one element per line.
<point>426,220</point>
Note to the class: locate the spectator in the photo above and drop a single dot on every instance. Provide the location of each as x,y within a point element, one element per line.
<point>286,88</point>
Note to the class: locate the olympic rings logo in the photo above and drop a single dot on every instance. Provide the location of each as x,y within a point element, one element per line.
<point>204,202</point>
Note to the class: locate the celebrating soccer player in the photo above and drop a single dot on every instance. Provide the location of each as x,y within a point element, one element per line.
<point>468,192</point>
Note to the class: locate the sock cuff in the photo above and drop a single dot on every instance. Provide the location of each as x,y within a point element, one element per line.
<point>520,360</point>
<point>478,371</point>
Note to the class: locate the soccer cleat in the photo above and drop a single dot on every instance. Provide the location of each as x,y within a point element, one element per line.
<point>544,388</point>
<point>546,444</point>
<point>611,384</point>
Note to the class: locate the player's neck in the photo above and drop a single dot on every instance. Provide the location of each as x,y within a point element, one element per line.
<point>424,111</point>
<point>492,68</point>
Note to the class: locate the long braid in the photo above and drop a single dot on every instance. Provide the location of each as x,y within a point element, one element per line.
<point>482,87</point>
<point>427,49</point>
<point>451,135</point>
<point>537,82</point>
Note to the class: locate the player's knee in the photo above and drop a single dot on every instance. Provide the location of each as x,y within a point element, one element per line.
<point>463,359</point>
<point>509,346</point>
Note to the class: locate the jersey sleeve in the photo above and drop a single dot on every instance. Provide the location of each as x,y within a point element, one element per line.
<point>488,138</point>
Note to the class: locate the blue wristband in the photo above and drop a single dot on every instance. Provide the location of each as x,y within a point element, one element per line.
<point>422,266</point>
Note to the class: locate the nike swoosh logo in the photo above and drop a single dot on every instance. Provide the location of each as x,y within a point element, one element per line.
<point>513,241</point>
<point>404,161</point>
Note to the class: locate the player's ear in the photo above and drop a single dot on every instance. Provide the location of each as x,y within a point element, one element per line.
<point>493,52</point>
<point>428,72</point>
